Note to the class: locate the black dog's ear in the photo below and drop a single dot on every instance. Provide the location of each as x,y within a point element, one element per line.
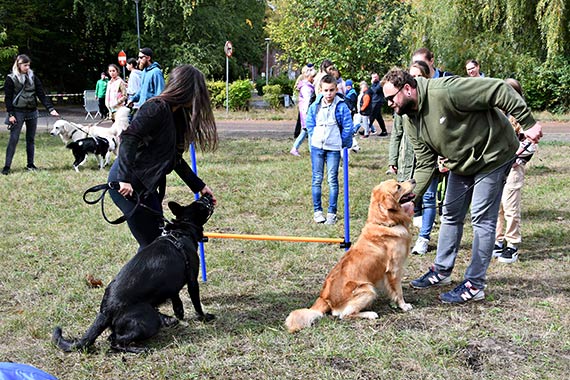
<point>175,208</point>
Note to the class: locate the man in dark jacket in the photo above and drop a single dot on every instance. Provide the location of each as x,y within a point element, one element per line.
<point>377,103</point>
<point>461,119</point>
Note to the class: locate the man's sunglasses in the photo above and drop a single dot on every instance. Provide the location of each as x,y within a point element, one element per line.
<point>391,97</point>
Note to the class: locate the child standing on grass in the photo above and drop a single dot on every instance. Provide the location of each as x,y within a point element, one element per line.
<point>508,233</point>
<point>306,91</point>
<point>329,125</point>
<point>364,107</point>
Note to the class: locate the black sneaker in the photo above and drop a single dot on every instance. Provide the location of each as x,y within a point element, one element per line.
<point>509,256</point>
<point>498,250</point>
<point>431,278</point>
<point>383,134</point>
<point>6,170</point>
<point>32,168</point>
<point>464,292</point>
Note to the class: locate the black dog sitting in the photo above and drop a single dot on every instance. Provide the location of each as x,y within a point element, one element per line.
<point>154,275</point>
<point>99,146</point>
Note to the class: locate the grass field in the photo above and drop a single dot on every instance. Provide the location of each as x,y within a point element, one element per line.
<point>51,241</point>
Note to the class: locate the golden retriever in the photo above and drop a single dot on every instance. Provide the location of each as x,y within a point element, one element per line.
<point>376,259</point>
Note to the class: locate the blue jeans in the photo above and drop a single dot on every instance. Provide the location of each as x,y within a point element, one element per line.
<point>144,225</point>
<point>301,138</point>
<point>485,198</point>
<point>31,120</point>
<point>319,158</point>
<point>429,209</point>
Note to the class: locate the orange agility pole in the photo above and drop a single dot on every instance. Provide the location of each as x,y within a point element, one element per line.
<point>216,235</point>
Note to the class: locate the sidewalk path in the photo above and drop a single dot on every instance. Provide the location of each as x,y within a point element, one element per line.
<point>277,129</point>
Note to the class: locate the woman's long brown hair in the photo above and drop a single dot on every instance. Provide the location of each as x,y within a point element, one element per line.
<point>186,87</point>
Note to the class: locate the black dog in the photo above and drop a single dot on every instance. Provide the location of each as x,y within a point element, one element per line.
<point>154,275</point>
<point>99,146</point>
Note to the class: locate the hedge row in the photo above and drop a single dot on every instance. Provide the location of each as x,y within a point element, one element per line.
<point>240,92</point>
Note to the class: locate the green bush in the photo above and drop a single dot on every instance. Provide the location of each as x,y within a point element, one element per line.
<point>271,94</point>
<point>240,93</point>
<point>217,92</point>
<point>547,87</point>
<point>287,85</point>
<point>259,84</point>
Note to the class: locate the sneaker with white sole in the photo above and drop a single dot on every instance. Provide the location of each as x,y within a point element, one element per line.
<point>431,278</point>
<point>417,221</point>
<point>294,152</point>
<point>509,255</point>
<point>318,217</point>
<point>498,249</point>
<point>464,292</point>
<point>331,218</point>
<point>421,246</point>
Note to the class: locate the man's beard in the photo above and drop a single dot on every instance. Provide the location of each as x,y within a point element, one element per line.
<point>408,107</point>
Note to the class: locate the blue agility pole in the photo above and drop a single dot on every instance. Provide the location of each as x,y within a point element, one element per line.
<point>197,196</point>
<point>346,201</point>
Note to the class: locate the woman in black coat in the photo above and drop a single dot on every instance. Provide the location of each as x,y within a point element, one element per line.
<point>154,144</point>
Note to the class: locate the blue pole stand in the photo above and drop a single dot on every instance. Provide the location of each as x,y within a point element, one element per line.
<point>346,201</point>
<point>197,196</point>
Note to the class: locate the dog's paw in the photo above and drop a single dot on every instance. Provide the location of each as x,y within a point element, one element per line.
<point>168,321</point>
<point>205,317</point>
<point>406,307</point>
<point>179,315</point>
<point>129,349</point>
<point>368,315</point>
<point>179,312</point>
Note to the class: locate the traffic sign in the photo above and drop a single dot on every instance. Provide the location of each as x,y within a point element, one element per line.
<point>122,58</point>
<point>228,49</point>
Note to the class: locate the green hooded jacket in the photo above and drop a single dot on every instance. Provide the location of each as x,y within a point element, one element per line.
<point>401,151</point>
<point>462,120</point>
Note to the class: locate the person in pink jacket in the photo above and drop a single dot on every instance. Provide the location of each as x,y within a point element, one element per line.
<point>306,91</point>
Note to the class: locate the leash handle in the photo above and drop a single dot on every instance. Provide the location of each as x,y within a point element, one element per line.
<point>101,198</point>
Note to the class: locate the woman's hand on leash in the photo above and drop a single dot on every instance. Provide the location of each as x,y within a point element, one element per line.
<point>54,113</point>
<point>125,189</point>
<point>207,190</point>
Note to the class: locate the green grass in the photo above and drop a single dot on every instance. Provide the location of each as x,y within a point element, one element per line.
<point>51,241</point>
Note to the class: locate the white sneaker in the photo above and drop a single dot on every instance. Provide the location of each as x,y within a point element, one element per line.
<point>331,218</point>
<point>421,246</point>
<point>418,221</point>
<point>294,152</point>
<point>318,217</point>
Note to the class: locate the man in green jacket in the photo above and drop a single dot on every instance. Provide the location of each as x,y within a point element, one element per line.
<point>461,119</point>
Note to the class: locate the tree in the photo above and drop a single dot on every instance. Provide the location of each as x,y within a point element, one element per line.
<point>203,27</point>
<point>72,41</point>
<point>525,39</point>
<point>359,36</point>
<point>506,36</point>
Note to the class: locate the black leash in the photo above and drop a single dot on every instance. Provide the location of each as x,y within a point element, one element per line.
<point>103,188</point>
<point>507,165</point>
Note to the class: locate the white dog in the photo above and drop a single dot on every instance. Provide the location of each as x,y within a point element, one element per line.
<point>69,131</point>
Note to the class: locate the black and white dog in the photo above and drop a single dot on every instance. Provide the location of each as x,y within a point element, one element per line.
<point>101,147</point>
<point>154,275</point>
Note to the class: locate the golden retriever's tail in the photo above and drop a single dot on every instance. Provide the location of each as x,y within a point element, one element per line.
<point>301,318</point>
